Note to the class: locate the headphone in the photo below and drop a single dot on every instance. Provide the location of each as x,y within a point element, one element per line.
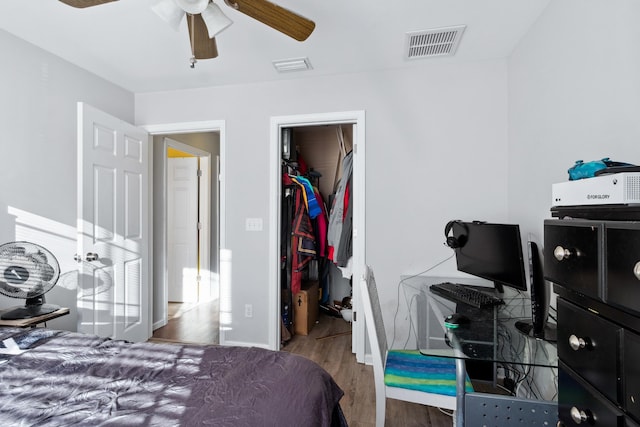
<point>452,241</point>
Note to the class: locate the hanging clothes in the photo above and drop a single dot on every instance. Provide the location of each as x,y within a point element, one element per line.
<point>322,224</point>
<point>303,247</point>
<point>309,196</point>
<point>338,210</point>
<point>345,248</point>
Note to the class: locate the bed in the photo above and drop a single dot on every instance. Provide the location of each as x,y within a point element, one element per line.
<point>72,379</point>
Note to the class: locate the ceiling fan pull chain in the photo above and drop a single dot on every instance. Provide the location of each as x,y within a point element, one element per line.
<point>193,59</point>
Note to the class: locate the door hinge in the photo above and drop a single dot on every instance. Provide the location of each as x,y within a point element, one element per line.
<point>199,226</point>
<point>199,173</point>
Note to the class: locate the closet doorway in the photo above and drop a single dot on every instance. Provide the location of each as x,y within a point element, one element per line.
<point>317,137</point>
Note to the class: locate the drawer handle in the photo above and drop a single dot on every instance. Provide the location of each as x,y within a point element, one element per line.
<point>636,270</point>
<point>561,253</point>
<point>577,343</point>
<point>579,416</point>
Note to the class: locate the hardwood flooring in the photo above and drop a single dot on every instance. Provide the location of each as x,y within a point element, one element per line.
<point>329,345</point>
<point>192,323</point>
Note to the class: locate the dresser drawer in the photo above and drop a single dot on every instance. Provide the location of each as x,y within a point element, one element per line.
<point>571,255</point>
<point>589,345</point>
<point>631,373</point>
<point>622,266</point>
<point>580,404</point>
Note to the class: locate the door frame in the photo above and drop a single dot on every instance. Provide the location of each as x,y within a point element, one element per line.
<point>204,244</point>
<point>218,126</point>
<point>357,119</point>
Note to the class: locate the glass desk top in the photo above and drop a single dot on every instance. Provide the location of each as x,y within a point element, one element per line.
<point>491,333</point>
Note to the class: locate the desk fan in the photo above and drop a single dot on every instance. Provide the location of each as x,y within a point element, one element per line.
<point>28,271</point>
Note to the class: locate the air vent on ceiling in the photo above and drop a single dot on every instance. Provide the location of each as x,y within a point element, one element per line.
<point>435,42</point>
<point>295,64</point>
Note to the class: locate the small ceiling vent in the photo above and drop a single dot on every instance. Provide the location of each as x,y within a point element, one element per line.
<point>436,42</point>
<point>294,64</point>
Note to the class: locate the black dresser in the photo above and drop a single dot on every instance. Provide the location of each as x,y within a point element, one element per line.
<point>595,268</point>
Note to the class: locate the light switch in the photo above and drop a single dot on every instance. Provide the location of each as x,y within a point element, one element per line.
<point>254,224</point>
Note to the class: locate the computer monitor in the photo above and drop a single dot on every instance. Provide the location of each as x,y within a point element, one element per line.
<point>540,295</point>
<point>490,251</point>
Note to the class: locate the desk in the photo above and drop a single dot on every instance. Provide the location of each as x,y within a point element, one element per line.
<point>33,321</point>
<point>491,336</point>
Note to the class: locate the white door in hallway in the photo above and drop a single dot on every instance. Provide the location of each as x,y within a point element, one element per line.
<point>182,229</point>
<point>113,229</point>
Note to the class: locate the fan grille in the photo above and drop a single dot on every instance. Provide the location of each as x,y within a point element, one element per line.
<point>27,270</point>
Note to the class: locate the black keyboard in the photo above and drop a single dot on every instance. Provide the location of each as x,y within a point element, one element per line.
<point>461,293</point>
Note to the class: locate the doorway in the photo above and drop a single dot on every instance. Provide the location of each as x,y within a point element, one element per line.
<point>188,223</point>
<point>196,317</point>
<point>349,118</point>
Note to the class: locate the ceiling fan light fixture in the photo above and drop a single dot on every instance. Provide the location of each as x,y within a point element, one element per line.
<point>215,20</point>
<point>192,6</point>
<point>169,11</point>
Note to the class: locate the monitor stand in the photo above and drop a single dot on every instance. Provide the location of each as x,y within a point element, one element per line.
<point>549,333</point>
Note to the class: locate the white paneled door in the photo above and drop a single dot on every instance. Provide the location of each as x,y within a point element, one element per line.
<point>182,229</point>
<point>113,233</point>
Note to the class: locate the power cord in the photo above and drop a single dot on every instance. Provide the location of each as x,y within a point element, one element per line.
<point>408,303</point>
<point>449,413</point>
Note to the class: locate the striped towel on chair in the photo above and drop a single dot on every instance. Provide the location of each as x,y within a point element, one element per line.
<point>412,370</point>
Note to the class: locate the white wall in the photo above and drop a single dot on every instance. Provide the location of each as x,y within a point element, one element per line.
<point>470,141</point>
<point>436,142</point>
<point>38,100</point>
<point>574,94</point>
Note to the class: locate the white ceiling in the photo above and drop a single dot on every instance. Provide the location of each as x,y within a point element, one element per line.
<point>127,44</point>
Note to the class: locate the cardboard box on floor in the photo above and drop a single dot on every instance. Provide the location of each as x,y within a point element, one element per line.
<point>305,308</point>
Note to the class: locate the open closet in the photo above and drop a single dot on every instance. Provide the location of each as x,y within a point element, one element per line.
<point>316,225</point>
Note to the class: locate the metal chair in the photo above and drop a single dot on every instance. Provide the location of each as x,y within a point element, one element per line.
<point>404,374</point>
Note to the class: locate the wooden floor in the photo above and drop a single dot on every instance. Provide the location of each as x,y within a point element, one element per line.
<point>329,345</point>
<point>192,323</point>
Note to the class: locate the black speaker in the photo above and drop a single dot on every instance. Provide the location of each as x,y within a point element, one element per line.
<point>452,241</point>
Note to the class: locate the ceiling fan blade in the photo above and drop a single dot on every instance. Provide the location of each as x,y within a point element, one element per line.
<point>201,45</point>
<point>85,3</point>
<point>278,18</point>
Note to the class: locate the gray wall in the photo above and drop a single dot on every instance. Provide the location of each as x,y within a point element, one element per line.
<point>574,94</point>
<point>39,93</point>
<point>436,146</point>
<point>481,140</point>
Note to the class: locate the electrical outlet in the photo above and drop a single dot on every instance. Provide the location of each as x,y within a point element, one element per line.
<point>248,310</point>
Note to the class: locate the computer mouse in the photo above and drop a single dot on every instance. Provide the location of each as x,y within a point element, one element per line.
<point>455,320</point>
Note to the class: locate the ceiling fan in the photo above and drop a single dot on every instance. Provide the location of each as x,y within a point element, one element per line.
<point>205,19</point>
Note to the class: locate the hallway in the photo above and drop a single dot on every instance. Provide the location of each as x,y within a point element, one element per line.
<point>191,322</point>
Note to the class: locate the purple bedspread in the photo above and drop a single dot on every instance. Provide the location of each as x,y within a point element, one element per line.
<point>72,379</point>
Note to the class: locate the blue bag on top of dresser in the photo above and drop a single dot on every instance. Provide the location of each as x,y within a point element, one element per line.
<point>583,170</point>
